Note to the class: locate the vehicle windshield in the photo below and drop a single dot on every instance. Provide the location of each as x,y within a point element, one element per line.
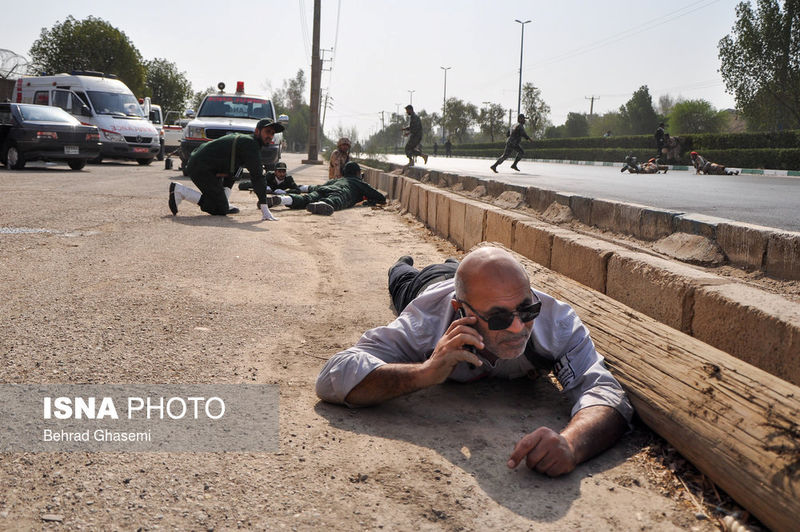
<point>45,113</point>
<point>155,116</point>
<point>116,104</point>
<point>236,107</point>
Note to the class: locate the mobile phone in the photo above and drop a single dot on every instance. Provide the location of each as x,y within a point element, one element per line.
<point>467,347</point>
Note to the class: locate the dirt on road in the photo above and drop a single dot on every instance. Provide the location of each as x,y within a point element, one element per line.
<point>101,284</point>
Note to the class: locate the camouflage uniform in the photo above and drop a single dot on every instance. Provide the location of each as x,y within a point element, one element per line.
<point>703,166</point>
<point>336,164</point>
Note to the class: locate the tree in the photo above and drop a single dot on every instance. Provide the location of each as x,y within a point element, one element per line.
<point>666,103</point>
<point>760,62</point>
<point>289,100</point>
<point>611,121</point>
<point>166,85</point>
<point>460,117</point>
<point>695,116</point>
<point>639,114</point>
<point>490,120</point>
<point>198,97</point>
<point>536,111</point>
<point>89,44</point>
<point>576,125</point>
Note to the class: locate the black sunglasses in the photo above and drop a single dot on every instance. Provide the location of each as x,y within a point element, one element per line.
<point>503,319</point>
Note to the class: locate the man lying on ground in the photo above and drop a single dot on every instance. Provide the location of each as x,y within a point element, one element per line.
<point>477,319</point>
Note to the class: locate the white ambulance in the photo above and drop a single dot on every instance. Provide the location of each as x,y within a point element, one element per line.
<point>100,100</point>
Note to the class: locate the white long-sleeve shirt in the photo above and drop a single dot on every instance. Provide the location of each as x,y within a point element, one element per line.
<point>559,337</point>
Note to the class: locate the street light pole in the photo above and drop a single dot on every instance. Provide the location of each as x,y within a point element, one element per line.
<point>411,96</point>
<point>444,99</point>
<point>521,41</point>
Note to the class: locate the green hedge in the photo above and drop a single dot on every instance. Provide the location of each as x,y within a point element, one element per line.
<point>779,150</point>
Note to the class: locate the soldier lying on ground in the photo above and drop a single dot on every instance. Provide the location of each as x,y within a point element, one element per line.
<point>650,167</point>
<point>706,167</point>
<point>334,195</point>
<point>484,320</point>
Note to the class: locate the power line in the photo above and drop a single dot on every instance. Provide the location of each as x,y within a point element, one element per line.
<point>304,28</point>
<point>627,33</point>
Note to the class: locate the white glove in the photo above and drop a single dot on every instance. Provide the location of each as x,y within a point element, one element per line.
<point>269,189</point>
<point>266,214</point>
<point>303,188</point>
<point>279,191</point>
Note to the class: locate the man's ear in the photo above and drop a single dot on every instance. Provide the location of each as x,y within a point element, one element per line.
<point>455,304</point>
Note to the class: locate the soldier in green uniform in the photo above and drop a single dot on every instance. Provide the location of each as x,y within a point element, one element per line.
<point>213,168</point>
<point>336,194</point>
<point>277,182</point>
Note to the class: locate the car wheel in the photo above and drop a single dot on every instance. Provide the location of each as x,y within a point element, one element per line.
<point>77,164</point>
<point>14,158</point>
<point>144,162</point>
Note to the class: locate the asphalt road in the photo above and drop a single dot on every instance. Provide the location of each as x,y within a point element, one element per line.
<point>761,200</point>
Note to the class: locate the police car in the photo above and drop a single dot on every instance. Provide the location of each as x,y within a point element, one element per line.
<point>223,113</point>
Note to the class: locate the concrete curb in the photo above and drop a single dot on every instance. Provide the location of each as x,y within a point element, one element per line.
<point>760,328</point>
<point>773,251</point>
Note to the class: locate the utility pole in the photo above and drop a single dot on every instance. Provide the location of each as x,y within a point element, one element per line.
<point>591,105</point>
<point>383,121</point>
<point>397,109</point>
<point>316,78</point>
<point>411,96</point>
<point>521,41</point>
<point>444,99</point>
<point>509,118</point>
<point>325,109</point>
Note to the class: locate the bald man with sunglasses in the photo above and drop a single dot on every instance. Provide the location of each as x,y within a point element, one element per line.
<point>476,319</point>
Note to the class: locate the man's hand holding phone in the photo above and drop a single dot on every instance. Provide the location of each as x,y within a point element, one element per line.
<point>457,345</point>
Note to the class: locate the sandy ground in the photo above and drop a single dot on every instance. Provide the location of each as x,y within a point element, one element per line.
<point>120,291</point>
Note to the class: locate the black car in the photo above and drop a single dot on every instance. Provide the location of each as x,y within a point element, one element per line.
<point>31,132</point>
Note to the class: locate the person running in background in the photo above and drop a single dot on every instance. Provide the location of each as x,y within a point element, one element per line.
<point>512,144</point>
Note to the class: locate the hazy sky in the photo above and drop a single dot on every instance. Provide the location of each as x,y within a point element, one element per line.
<point>573,49</point>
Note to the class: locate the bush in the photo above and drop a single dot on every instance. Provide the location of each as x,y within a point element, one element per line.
<point>775,150</point>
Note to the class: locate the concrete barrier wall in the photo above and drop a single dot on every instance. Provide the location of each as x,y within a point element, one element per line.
<point>761,248</point>
<point>760,328</point>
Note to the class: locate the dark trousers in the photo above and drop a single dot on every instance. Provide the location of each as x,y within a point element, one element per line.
<point>511,148</point>
<point>333,196</point>
<point>413,146</point>
<point>213,201</point>
<point>406,282</point>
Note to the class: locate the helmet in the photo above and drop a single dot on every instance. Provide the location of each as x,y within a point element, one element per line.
<point>693,154</point>
<point>521,117</point>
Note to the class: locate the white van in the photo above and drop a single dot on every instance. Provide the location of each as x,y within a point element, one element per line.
<point>100,100</point>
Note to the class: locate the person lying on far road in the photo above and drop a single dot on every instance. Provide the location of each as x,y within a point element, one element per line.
<point>484,320</point>
<point>702,166</point>
<point>213,168</point>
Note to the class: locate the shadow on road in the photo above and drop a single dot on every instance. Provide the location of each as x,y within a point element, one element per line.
<point>475,427</point>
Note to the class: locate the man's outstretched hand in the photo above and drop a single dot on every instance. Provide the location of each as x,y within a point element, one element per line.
<point>546,451</point>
